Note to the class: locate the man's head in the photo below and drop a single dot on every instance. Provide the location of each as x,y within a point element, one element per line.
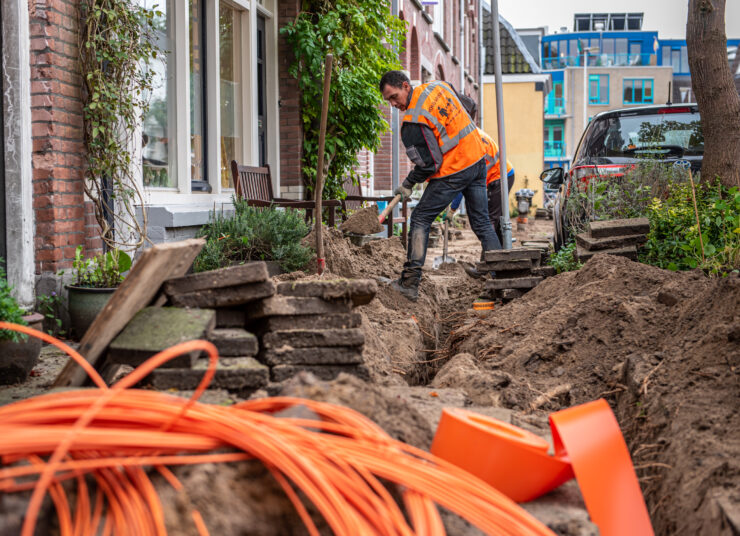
<point>396,87</point>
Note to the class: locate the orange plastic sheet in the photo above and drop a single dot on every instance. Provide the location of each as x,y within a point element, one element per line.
<point>588,444</point>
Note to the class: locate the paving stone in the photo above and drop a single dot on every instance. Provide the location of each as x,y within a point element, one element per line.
<point>231,373</point>
<point>519,282</point>
<point>631,226</point>
<point>516,254</point>
<point>252,272</point>
<point>629,252</point>
<point>306,338</point>
<point>157,328</point>
<point>234,342</point>
<point>333,355</point>
<point>230,317</point>
<point>281,323</point>
<point>610,242</point>
<point>225,296</point>
<point>281,373</point>
<point>290,306</point>
<point>522,264</point>
<point>544,271</point>
<point>360,291</point>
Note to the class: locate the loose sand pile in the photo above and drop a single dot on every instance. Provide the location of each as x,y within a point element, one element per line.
<point>662,347</point>
<point>363,222</point>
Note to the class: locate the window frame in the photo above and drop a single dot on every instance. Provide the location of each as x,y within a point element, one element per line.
<point>642,85</point>
<point>598,102</point>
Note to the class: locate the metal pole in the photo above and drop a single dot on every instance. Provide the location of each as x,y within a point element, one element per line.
<point>461,51</point>
<point>505,221</point>
<point>395,132</point>
<point>585,88</point>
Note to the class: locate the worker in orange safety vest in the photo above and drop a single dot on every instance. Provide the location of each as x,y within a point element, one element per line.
<point>442,141</point>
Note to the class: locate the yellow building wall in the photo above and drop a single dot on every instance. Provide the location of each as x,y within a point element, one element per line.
<point>523,122</point>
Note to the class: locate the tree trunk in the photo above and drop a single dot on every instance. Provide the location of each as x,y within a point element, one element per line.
<point>714,87</point>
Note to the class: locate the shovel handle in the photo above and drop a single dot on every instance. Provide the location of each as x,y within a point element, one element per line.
<point>383,215</point>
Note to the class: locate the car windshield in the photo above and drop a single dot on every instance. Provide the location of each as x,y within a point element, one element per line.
<point>669,134</point>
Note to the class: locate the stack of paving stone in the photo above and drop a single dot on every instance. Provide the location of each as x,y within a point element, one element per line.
<point>516,271</point>
<point>616,237</point>
<point>310,326</point>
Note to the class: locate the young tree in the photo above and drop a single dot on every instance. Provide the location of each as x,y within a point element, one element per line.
<point>716,95</point>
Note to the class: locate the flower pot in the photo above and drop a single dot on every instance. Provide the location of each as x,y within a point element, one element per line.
<point>84,305</point>
<point>18,358</point>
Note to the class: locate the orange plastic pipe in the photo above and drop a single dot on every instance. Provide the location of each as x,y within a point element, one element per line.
<point>590,434</point>
<point>510,459</point>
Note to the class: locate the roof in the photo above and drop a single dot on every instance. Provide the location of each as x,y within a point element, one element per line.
<point>515,57</point>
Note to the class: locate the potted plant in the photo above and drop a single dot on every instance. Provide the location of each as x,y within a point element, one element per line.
<point>95,279</point>
<point>18,352</point>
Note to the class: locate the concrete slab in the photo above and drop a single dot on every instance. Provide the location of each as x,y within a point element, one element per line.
<point>252,272</point>
<point>232,373</point>
<point>360,291</point>
<point>234,342</point>
<point>610,242</point>
<point>631,226</point>
<point>154,329</point>
<point>507,255</point>
<point>290,306</point>
<point>230,317</point>
<point>522,264</point>
<point>225,296</point>
<point>333,355</point>
<point>519,282</point>
<point>281,323</point>
<point>306,338</point>
<point>281,373</point>
<point>544,271</point>
<point>629,252</point>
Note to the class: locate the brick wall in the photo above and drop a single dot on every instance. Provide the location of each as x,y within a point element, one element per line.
<point>56,115</point>
<point>291,134</point>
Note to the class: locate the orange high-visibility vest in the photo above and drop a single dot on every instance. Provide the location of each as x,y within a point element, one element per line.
<point>493,173</point>
<point>436,106</point>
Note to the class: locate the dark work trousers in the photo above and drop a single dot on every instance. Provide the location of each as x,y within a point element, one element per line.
<point>438,194</point>
<point>494,205</point>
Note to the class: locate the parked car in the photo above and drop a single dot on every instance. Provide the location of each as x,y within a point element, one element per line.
<point>617,140</point>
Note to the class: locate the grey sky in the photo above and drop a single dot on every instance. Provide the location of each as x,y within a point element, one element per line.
<point>668,17</point>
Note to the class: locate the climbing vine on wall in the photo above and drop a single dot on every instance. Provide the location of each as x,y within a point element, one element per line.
<point>116,49</point>
<point>365,39</point>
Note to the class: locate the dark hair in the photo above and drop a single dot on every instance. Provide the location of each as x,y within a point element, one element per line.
<point>394,79</point>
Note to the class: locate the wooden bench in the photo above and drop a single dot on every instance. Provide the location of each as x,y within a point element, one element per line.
<point>355,199</point>
<point>254,185</point>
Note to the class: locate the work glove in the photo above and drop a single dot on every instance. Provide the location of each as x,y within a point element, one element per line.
<point>448,215</point>
<point>403,190</point>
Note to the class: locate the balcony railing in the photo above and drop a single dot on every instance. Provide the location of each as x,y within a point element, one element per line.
<point>554,149</point>
<point>601,60</point>
<point>554,105</point>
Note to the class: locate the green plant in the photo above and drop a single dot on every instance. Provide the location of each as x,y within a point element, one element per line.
<point>675,242</point>
<point>254,234</point>
<point>10,311</point>
<point>49,305</point>
<point>116,47</point>
<point>565,259</point>
<point>101,271</point>
<point>365,39</point>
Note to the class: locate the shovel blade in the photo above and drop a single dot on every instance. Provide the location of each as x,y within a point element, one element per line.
<point>439,261</point>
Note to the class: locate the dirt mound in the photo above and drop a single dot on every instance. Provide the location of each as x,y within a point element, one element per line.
<point>363,222</point>
<point>662,347</point>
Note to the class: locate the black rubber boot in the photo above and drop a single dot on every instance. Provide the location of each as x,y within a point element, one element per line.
<point>410,292</point>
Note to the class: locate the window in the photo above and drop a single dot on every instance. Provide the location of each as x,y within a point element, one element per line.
<point>598,89</point>
<point>638,90</point>
<point>677,57</point>
<point>213,97</point>
<point>438,23</point>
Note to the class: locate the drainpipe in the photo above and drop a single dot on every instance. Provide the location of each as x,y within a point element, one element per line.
<point>505,222</point>
<point>395,130</point>
<point>481,62</point>
<point>461,5</point>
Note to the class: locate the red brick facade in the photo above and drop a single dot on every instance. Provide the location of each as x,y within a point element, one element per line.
<point>58,148</point>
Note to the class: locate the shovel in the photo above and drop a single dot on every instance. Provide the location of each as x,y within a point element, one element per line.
<point>444,259</point>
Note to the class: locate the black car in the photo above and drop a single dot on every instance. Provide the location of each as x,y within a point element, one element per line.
<point>617,140</point>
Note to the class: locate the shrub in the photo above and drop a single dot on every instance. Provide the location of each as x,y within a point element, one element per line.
<point>565,259</point>
<point>674,240</point>
<point>254,234</point>
<point>102,271</point>
<point>10,311</point>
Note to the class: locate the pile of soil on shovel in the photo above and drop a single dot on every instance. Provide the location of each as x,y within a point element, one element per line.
<point>400,336</point>
<point>662,347</point>
<point>363,222</point>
